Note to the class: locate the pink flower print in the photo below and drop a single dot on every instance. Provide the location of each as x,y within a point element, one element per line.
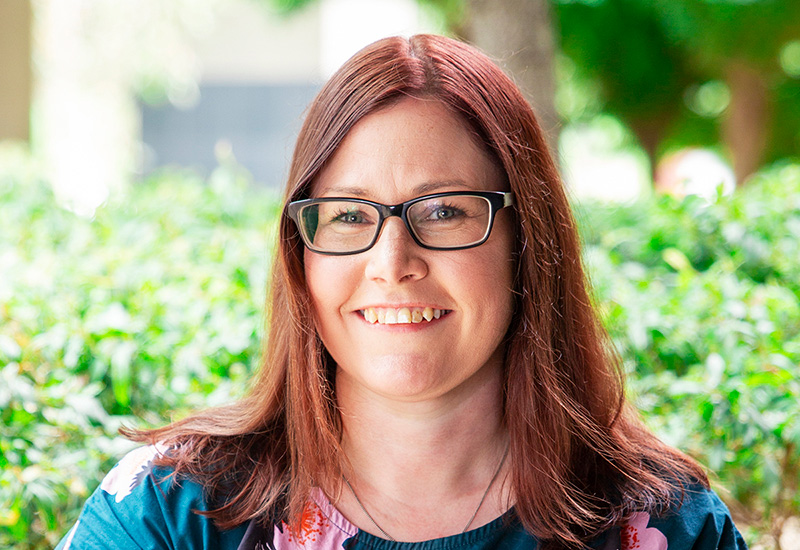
<point>312,522</point>
<point>635,535</point>
<point>321,527</point>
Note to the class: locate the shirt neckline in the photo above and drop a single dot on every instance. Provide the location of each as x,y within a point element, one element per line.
<point>373,541</point>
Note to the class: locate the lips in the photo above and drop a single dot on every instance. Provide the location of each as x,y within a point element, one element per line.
<point>402,315</point>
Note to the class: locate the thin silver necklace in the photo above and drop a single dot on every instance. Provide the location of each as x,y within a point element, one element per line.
<point>474,515</point>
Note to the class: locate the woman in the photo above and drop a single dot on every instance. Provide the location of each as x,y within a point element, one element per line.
<point>434,369</point>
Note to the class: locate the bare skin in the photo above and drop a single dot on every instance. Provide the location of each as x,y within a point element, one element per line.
<point>421,470</point>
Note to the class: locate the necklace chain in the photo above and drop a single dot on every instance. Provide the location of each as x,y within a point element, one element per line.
<point>471,519</point>
<point>363,509</point>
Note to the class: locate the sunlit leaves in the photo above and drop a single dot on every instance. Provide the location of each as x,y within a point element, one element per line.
<point>703,302</point>
<point>149,310</point>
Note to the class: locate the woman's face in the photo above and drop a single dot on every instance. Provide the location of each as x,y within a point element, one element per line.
<point>413,148</point>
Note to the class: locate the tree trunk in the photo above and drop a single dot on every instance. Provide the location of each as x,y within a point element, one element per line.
<point>649,132</point>
<point>518,34</point>
<point>744,128</point>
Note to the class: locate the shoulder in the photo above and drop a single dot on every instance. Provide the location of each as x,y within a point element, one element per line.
<point>698,520</point>
<point>141,505</point>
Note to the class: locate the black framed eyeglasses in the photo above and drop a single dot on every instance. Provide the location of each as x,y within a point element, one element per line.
<point>442,221</point>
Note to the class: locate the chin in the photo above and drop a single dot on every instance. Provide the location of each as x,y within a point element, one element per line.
<point>404,379</point>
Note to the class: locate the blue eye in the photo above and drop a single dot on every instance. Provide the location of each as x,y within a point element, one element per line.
<point>349,217</point>
<point>445,212</point>
<point>442,213</point>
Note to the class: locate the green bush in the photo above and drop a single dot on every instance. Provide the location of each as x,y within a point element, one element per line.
<point>703,303</point>
<point>154,307</point>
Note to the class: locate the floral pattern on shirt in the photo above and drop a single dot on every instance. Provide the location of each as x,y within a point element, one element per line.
<point>131,471</point>
<point>321,526</point>
<point>71,534</point>
<point>637,536</point>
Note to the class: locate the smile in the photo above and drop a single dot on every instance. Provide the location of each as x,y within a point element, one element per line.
<point>402,315</point>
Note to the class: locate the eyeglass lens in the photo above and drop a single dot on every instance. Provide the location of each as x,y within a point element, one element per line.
<point>441,222</point>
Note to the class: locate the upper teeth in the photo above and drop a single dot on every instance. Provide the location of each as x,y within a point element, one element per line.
<point>395,316</point>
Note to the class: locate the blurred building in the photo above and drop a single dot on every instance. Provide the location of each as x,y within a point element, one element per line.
<point>259,71</point>
<point>124,88</point>
<point>15,69</point>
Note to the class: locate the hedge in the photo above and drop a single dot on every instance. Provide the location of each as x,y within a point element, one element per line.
<point>153,308</point>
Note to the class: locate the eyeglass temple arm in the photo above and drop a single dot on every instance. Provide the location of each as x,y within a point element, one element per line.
<point>508,199</point>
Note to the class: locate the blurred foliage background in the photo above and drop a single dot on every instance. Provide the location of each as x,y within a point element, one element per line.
<point>148,303</point>
<point>153,308</point>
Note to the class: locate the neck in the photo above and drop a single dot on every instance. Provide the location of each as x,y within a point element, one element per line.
<point>413,462</point>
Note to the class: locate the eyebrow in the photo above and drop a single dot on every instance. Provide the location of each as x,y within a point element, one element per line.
<point>421,189</point>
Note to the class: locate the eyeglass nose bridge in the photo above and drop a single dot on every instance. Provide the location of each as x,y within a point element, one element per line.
<point>390,211</point>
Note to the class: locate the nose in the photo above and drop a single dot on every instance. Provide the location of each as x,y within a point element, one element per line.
<point>395,257</point>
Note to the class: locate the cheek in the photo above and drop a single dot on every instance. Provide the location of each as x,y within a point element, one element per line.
<point>482,280</point>
<point>502,256</point>
<point>316,284</point>
<point>329,283</point>
<point>499,277</point>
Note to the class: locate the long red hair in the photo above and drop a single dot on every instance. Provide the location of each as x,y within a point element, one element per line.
<point>581,461</point>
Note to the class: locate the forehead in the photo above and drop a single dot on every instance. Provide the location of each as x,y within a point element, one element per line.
<point>412,147</point>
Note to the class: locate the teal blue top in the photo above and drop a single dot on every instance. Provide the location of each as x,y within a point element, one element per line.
<point>139,506</point>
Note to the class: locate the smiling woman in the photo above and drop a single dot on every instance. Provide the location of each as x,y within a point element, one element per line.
<point>434,376</point>
<point>391,156</point>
